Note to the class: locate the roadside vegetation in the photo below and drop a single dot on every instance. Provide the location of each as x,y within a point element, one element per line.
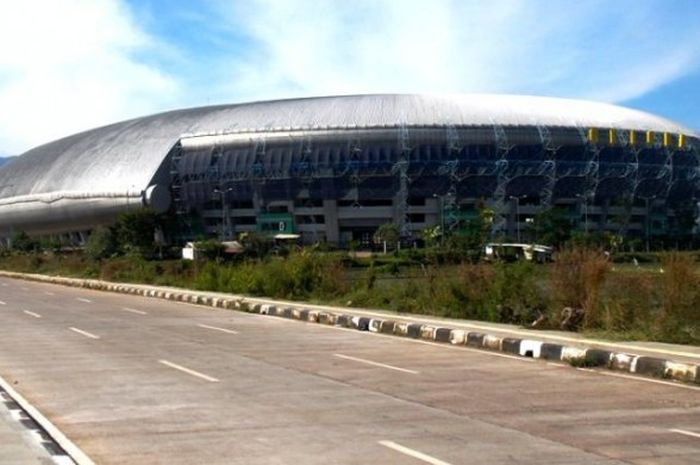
<point>650,296</point>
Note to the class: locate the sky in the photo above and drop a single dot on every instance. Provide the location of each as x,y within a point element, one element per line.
<point>73,65</point>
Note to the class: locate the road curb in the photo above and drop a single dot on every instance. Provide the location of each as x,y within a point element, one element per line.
<point>532,348</point>
<point>66,445</point>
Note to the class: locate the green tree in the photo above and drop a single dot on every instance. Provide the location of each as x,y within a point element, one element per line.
<point>135,232</point>
<point>21,242</point>
<point>389,233</point>
<point>101,244</point>
<point>551,227</point>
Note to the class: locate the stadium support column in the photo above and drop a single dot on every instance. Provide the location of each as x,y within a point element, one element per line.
<point>501,165</point>
<point>631,176</point>
<point>330,212</point>
<point>592,170</point>
<point>548,168</point>
<point>450,201</point>
<point>400,170</point>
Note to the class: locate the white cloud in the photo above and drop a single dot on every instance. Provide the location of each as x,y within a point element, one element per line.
<point>71,65</point>
<point>610,51</point>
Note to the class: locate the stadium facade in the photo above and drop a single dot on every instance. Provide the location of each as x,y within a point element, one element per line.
<point>335,168</point>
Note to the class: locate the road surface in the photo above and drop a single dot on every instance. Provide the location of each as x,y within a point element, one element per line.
<point>133,380</point>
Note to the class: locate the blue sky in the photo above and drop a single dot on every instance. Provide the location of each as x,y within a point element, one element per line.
<point>72,65</point>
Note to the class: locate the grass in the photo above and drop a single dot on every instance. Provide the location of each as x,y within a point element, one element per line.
<point>619,302</point>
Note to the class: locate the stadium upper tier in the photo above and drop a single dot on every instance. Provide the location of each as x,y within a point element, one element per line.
<point>102,170</point>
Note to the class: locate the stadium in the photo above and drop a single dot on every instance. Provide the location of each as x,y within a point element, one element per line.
<point>333,169</point>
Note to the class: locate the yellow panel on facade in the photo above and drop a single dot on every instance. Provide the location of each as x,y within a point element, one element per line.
<point>681,141</point>
<point>649,137</point>
<point>593,135</point>
<point>611,137</point>
<point>667,139</point>
<point>633,137</point>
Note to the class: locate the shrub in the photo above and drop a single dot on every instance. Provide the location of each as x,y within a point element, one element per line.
<point>679,318</point>
<point>576,279</point>
<point>101,244</point>
<point>21,242</point>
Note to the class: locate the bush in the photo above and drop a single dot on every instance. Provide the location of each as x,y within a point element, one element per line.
<point>576,280</point>
<point>101,244</point>
<point>21,242</point>
<point>680,299</point>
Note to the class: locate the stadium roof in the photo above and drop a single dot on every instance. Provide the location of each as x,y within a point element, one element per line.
<point>124,157</point>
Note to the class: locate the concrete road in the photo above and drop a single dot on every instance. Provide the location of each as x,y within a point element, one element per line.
<point>134,380</point>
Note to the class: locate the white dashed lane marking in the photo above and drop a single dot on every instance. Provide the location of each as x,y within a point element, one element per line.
<point>216,328</point>
<point>133,310</point>
<point>87,301</point>
<point>376,364</point>
<point>3,303</point>
<point>412,453</point>
<point>35,315</point>
<point>686,433</point>
<point>189,371</point>
<point>84,333</point>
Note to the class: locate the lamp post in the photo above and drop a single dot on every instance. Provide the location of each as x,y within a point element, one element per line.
<point>224,212</point>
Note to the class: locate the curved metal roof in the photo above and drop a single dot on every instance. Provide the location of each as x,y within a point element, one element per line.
<point>124,157</point>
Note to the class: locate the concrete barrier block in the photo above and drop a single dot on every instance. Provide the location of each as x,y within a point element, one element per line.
<point>375,325</point>
<point>296,314</point>
<point>530,348</point>
<point>342,320</point>
<point>360,323</point>
<point>679,371</point>
<point>650,366</point>
<point>598,357</point>
<point>623,362</point>
<point>304,314</point>
<point>265,309</point>
<point>475,339</point>
<point>549,351</point>
<point>312,316</point>
<point>492,342</point>
<point>427,332</point>
<point>511,345</point>
<point>327,318</point>
<point>442,334</point>
<point>573,355</point>
<point>414,330</point>
<point>458,336</point>
<point>286,312</point>
<point>401,329</point>
<point>387,327</point>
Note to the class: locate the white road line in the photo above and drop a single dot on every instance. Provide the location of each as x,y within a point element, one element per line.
<point>382,365</point>
<point>49,293</point>
<point>3,303</point>
<point>188,371</point>
<point>687,433</point>
<point>412,453</point>
<point>25,288</point>
<point>216,328</point>
<point>83,300</point>
<point>4,284</point>
<point>35,315</point>
<point>133,310</point>
<point>84,333</point>
<point>640,378</point>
